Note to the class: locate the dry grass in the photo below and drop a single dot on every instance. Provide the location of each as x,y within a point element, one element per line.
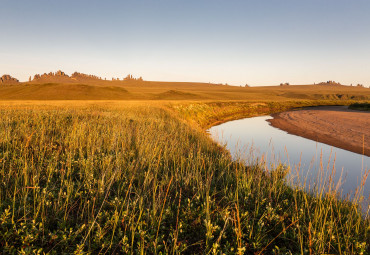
<point>144,177</point>
<point>146,90</point>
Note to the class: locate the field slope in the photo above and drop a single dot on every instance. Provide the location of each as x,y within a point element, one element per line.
<point>146,90</point>
<point>127,168</point>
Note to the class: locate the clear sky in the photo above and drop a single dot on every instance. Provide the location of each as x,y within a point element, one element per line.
<point>260,42</point>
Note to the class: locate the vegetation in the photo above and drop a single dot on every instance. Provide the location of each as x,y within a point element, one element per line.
<point>135,177</point>
<point>207,114</point>
<point>360,106</point>
<point>58,86</point>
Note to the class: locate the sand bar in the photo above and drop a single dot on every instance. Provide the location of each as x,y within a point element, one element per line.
<point>334,125</point>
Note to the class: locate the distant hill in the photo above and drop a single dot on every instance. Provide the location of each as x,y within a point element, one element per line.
<point>83,77</point>
<point>7,79</point>
<point>56,77</point>
<point>60,91</point>
<point>62,77</point>
<point>330,83</point>
<point>79,86</point>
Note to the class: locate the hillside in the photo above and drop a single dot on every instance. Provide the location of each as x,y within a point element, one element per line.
<point>59,86</point>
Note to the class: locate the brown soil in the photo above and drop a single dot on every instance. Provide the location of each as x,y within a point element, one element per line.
<point>334,125</point>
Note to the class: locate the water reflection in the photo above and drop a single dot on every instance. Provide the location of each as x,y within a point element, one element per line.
<point>253,139</point>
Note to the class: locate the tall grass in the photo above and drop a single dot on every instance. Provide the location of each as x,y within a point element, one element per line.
<point>141,179</point>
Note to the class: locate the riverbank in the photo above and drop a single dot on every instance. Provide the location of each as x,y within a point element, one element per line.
<point>334,125</point>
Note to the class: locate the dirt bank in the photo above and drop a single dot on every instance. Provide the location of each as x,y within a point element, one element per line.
<point>334,125</point>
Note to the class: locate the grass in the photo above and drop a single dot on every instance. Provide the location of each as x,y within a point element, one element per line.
<point>148,90</point>
<point>207,114</point>
<point>115,177</point>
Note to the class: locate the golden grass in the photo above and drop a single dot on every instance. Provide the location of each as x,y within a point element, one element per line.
<point>144,177</point>
<point>146,90</point>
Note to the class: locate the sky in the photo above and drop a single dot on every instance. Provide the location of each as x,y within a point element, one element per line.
<point>255,42</point>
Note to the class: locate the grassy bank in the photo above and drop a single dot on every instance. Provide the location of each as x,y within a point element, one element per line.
<point>129,178</point>
<point>207,114</point>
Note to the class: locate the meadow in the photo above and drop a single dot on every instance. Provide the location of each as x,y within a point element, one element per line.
<point>54,89</point>
<point>143,177</point>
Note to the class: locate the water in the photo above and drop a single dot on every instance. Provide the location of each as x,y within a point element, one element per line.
<point>253,139</point>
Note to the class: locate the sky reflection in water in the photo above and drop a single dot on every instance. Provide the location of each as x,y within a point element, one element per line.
<point>257,138</point>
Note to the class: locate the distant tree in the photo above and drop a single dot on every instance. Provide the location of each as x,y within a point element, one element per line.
<point>30,79</point>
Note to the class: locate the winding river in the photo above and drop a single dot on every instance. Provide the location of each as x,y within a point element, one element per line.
<point>311,163</point>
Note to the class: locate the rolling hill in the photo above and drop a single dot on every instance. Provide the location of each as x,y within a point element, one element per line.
<point>59,86</point>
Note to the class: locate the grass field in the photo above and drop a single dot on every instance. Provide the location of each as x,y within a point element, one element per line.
<point>147,90</point>
<point>142,177</point>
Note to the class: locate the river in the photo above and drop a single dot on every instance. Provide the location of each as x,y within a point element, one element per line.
<point>311,163</point>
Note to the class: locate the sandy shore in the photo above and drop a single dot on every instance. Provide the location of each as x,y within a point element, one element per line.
<point>334,125</point>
